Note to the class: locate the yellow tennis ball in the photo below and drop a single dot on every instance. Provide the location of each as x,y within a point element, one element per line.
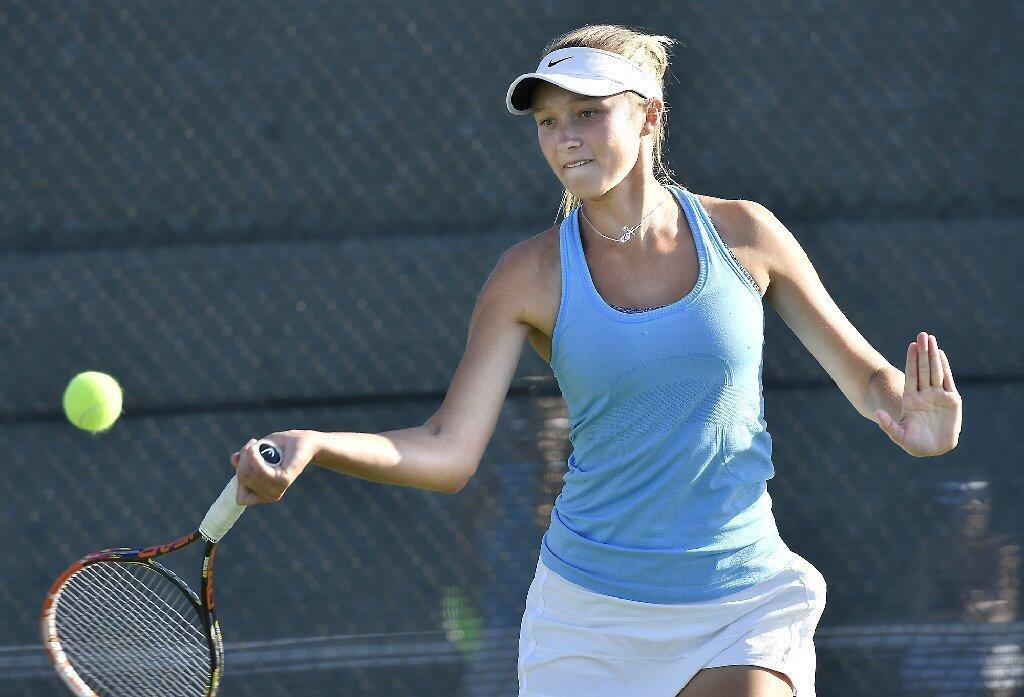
<point>92,401</point>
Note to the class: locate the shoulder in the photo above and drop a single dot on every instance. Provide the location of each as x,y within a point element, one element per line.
<point>752,227</point>
<point>539,248</point>
<point>739,221</point>
<point>751,232</point>
<point>524,274</point>
<point>532,259</point>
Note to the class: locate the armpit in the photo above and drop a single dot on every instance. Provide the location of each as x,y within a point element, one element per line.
<point>745,272</point>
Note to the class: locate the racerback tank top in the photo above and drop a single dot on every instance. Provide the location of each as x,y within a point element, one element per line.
<point>665,499</point>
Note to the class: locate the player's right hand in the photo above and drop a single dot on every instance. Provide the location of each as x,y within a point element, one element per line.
<point>259,482</point>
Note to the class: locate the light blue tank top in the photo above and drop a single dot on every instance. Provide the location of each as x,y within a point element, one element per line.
<point>665,499</point>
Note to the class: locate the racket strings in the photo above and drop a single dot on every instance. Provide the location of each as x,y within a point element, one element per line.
<point>148,610</point>
<point>126,633</point>
<point>137,655</point>
<point>162,630</point>
<point>128,630</point>
<point>167,599</point>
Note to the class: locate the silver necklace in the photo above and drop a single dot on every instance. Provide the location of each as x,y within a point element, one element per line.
<point>627,232</point>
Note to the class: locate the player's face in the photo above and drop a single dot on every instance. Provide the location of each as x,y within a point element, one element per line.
<point>571,126</point>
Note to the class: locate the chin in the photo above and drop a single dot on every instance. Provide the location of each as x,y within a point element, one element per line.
<point>582,191</point>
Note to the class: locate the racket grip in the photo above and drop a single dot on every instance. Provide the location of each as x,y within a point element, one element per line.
<point>222,514</point>
<point>225,510</point>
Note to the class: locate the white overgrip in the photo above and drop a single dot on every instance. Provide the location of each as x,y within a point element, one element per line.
<point>222,514</point>
<point>225,511</point>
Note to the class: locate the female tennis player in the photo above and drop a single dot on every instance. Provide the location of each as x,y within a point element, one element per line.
<point>662,572</point>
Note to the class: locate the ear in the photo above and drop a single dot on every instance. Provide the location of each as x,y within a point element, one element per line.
<point>652,115</point>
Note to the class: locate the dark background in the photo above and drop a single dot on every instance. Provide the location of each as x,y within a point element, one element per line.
<point>270,215</point>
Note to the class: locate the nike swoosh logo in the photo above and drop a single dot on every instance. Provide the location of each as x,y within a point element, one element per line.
<point>551,63</point>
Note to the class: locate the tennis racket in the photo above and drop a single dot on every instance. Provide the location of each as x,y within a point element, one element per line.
<point>118,622</point>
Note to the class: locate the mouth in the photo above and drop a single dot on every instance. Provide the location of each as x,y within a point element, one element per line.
<point>576,165</point>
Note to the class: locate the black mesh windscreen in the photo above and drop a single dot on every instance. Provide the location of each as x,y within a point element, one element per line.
<point>264,215</point>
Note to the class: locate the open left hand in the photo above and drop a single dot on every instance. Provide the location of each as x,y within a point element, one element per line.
<point>931,409</point>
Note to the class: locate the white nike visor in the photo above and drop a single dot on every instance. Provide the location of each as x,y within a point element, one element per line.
<point>590,71</point>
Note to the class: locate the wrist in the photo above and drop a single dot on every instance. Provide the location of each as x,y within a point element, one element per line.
<point>315,442</point>
<point>885,391</point>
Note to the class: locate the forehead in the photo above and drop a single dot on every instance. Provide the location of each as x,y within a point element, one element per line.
<point>546,95</point>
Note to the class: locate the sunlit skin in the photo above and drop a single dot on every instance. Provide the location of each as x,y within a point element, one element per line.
<point>618,188</point>
<point>259,482</point>
<point>931,409</point>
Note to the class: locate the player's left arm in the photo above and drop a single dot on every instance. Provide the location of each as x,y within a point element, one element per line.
<point>798,296</point>
<point>920,413</point>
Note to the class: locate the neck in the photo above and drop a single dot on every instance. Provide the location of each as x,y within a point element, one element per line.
<point>626,206</point>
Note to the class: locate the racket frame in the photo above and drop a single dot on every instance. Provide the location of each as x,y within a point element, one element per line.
<point>145,556</point>
<point>217,521</point>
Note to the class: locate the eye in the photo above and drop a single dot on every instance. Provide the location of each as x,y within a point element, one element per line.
<point>543,122</point>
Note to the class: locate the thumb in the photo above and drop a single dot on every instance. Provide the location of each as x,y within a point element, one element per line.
<point>887,423</point>
<point>234,460</point>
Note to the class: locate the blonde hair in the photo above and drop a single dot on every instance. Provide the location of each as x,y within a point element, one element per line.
<point>646,50</point>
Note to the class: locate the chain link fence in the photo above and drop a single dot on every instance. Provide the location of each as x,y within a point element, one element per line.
<point>271,215</point>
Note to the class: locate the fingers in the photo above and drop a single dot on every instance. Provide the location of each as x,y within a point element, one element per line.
<point>236,456</point>
<point>245,496</point>
<point>925,367</point>
<point>934,362</point>
<point>947,381</point>
<point>910,372</point>
<point>267,481</point>
<point>923,372</point>
<point>257,481</point>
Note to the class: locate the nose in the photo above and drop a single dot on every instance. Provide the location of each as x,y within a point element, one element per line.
<point>568,135</point>
<point>570,141</point>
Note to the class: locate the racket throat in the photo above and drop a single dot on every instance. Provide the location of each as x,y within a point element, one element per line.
<point>213,635</point>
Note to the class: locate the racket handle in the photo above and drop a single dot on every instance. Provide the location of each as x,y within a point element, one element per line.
<point>225,510</point>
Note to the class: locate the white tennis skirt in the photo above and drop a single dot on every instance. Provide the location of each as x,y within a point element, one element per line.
<point>575,642</point>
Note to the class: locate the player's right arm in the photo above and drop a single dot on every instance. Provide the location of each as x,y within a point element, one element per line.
<point>444,452</point>
<point>469,413</point>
